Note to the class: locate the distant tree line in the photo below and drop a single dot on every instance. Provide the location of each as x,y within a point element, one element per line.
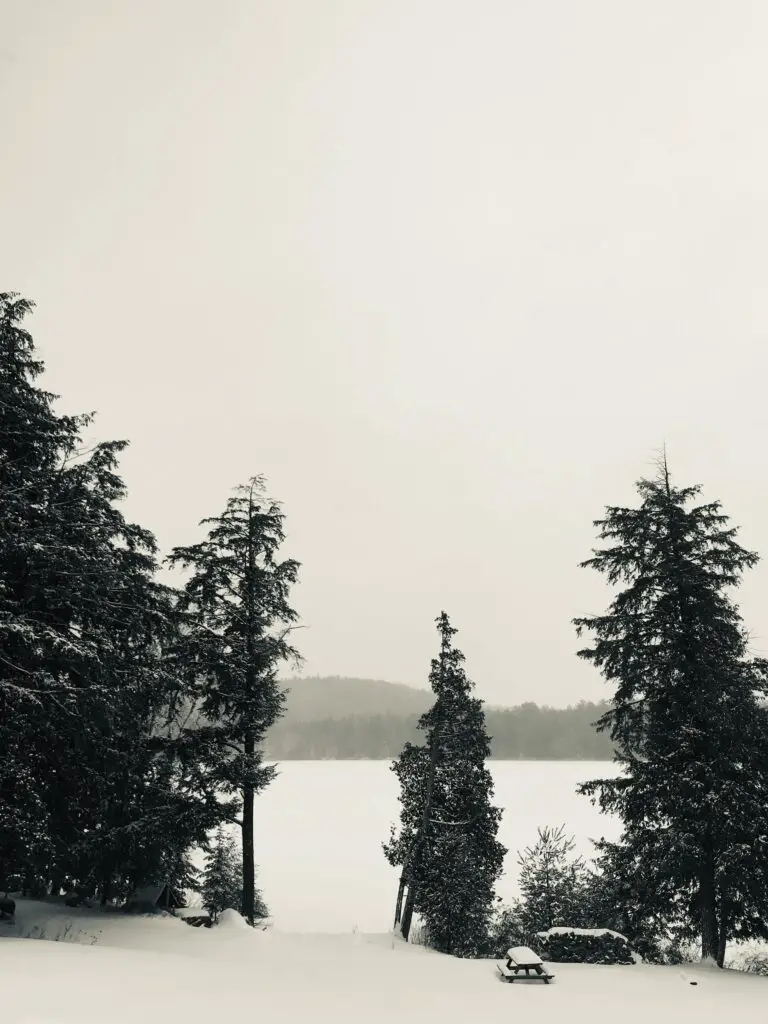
<point>527,732</point>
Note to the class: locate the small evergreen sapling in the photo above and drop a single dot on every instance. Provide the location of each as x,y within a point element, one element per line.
<point>552,884</point>
<point>222,879</point>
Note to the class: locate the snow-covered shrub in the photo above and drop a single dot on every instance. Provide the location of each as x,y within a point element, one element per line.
<point>231,919</point>
<point>222,879</point>
<point>583,946</point>
<point>755,963</point>
<point>616,899</point>
<point>505,930</point>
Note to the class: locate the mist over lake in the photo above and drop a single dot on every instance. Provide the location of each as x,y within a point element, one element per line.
<point>320,826</point>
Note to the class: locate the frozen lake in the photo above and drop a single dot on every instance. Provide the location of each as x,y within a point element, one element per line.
<point>320,826</point>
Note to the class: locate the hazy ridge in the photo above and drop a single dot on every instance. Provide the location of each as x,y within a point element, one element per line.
<point>343,718</point>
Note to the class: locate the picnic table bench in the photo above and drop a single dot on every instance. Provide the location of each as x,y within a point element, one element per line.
<point>519,959</point>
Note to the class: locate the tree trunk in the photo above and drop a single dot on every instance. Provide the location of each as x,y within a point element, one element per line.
<point>249,874</point>
<point>708,908</point>
<point>722,937</point>
<point>249,744</point>
<point>410,903</point>
<point>400,894</point>
<point>106,887</point>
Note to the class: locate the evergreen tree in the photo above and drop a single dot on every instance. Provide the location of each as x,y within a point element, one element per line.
<point>446,843</point>
<point>32,442</point>
<point>83,632</point>
<point>552,884</point>
<point>236,621</point>
<point>222,880</point>
<point>689,729</point>
<point>626,895</point>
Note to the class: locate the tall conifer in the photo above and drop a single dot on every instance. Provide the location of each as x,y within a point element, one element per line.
<point>690,732</point>
<point>84,630</point>
<point>446,844</point>
<point>236,622</point>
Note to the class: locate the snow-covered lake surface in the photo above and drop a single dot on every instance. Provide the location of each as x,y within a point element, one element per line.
<point>320,826</point>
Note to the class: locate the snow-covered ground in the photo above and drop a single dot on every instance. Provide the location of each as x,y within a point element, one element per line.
<point>109,969</point>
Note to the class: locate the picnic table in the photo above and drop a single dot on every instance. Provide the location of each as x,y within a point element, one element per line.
<point>519,959</point>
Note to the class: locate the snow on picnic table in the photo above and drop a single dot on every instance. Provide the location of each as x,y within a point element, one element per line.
<point>121,969</point>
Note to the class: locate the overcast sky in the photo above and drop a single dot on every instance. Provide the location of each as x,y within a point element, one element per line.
<point>447,273</point>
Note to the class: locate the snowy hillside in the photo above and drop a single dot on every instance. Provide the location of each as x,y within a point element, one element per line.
<point>112,969</point>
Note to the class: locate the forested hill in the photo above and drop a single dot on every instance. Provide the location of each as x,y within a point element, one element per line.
<point>339,718</point>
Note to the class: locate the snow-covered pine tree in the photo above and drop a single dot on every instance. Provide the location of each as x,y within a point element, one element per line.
<point>32,439</point>
<point>222,879</point>
<point>691,735</point>
<point>83,625</point>
<point>641,901</point>
<point>446,843</point>
<point>236,622</point>
<point>552,883</point>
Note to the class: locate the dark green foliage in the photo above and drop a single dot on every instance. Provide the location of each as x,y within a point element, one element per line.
<point>555,891</point>
<point>222,879</point>
<point>575,948</point>
<point>236,619</point>
<point>506,929</point>
<point>552,884</point>
<point>558,891</point>
<point>620,894</point>
<point>447,838</point>
<point>90,792</point>
<point>689,728</point>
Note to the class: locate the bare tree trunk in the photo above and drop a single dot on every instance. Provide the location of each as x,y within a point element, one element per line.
<point>722,938</point>
<point>400,894</point>
<point>708,907</point>
<point>410,903</point>
<point>106,887</point>
<point>249,874</point>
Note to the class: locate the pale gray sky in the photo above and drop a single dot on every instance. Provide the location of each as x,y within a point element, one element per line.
<point>448,273</point>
